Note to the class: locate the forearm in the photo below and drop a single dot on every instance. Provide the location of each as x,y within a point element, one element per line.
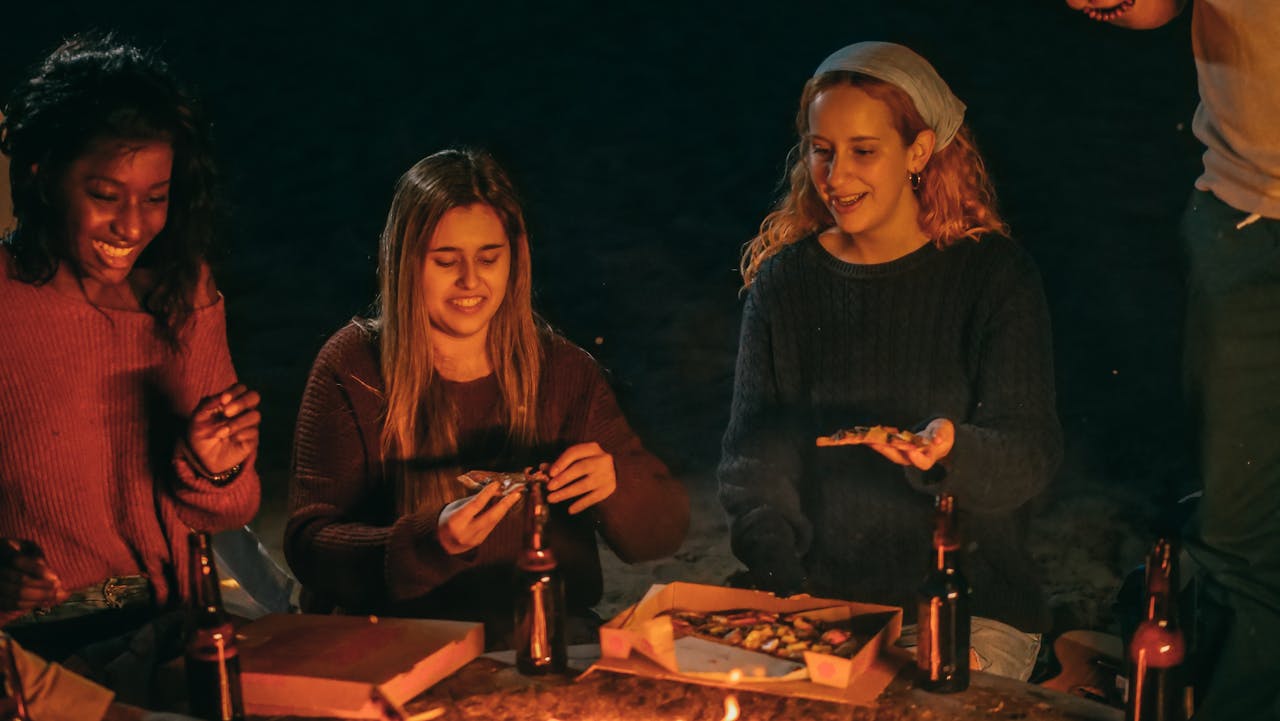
<point>1009,445</point>
<point>768,529</point>
<point>992,470</point>
<point>647,517</point>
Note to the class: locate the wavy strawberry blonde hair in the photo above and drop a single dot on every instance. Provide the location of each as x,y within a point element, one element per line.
<point>955,194</point>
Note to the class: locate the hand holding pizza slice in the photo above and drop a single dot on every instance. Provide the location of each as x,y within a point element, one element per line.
<point>922,450</point>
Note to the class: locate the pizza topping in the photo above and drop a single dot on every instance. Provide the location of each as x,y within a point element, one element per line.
<point>785,636</point>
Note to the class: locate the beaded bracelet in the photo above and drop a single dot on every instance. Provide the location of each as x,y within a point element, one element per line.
<point>198,468</point>
<point>219,478</point>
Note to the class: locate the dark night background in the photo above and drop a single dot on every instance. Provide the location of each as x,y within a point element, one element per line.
<point>648,141</point>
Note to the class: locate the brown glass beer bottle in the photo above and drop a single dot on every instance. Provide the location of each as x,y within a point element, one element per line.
<point>539,607</point>
<point>942,651</point>
<point>1157,688</point>
<point>212,659</point>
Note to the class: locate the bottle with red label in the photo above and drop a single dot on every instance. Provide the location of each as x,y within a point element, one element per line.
<point>1157,689</point>
<point>942,650</point>
<point>212,659</point>
<point>539,607</point>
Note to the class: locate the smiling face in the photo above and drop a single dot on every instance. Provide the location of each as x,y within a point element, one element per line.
<point>1130,14</point>
<point>116,200</point>
<point>859,164</point>
<point>465,273</point>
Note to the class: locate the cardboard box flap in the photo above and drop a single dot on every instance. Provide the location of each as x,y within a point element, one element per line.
<point>331,665</point>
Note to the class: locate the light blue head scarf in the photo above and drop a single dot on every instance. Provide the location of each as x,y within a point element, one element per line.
<point>901,67</point>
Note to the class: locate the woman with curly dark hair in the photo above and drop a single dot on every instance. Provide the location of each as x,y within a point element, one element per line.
<point>125,424</point>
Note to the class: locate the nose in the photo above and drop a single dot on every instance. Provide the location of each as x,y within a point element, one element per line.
<point>840,168</point>
<point>467,275</point>
<point>129,223</point>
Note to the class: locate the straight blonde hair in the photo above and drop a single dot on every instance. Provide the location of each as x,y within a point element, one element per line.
<point>419,433</point>
<point>957,201</point>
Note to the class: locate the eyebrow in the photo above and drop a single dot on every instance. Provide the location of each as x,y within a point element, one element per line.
<point>855,138</point>
<point>452,249</point>
<point>113,181</point>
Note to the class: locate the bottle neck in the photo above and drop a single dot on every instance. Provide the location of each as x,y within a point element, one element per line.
<point>945,558</point>
<point>537,511</point>
<point>206,595</point>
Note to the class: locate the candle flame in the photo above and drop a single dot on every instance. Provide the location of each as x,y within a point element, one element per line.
<point>731,710</point>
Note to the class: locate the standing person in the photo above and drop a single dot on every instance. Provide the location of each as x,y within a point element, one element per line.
<point>458,374</point>
<point>883,291</point>
<point>124,423</point>
<point>1231,235</point>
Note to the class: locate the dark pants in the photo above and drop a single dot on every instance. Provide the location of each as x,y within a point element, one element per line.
<point>1232,366</point>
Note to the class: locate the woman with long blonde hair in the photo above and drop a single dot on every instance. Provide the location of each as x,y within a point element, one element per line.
<point>457,374</point>
<point>882,291</point>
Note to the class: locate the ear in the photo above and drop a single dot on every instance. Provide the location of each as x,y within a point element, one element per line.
<point>920,150</point>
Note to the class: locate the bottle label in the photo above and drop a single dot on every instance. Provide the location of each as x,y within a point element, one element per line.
<point>213,644</point>
<point>1156,647</point>
<point>942,643</point>
<point>213,675</point>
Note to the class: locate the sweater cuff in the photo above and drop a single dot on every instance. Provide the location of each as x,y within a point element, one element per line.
<point>767,546</point>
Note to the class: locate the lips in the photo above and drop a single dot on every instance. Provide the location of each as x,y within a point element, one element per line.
<point>1109,13</point>
<point>115,256</point>
<point>845,203</point>
<point>467,304</point>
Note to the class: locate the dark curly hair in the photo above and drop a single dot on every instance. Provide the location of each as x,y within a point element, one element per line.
<point>90,89</point>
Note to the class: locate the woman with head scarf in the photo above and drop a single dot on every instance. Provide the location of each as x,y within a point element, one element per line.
<point>883,291</point>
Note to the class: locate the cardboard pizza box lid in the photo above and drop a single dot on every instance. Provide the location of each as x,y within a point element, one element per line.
<point>335,666</point>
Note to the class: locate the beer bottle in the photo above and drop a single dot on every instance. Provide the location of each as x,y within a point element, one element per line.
<point>1156,689</point>
<point>539,607</point>
<point>212,659</point>
<point>942,651</point>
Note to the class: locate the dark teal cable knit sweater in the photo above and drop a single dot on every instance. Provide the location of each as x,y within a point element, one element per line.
<point>961,333</point>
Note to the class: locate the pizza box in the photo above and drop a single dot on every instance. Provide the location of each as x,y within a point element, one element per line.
<point>342,666</point>
<point>639,640</point>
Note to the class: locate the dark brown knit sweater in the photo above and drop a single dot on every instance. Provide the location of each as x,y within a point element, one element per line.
<point>961,333</point>
<point>347,545</point>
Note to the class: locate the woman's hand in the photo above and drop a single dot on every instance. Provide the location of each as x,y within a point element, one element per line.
<point>939,436</point>
<point>584,472</point>
<point>224,428</point>
<point>465,523</point>
<point>26,581</point>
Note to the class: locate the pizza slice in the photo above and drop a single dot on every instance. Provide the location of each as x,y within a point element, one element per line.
<point>859,435</point>
<point>509,482</point>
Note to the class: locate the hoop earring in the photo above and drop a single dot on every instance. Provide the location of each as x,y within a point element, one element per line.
<point>914,179</point>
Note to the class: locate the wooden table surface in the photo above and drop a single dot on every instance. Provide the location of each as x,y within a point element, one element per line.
<point>489,689</point>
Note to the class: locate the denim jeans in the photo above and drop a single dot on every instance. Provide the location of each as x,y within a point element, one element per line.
<point>1232,370</point>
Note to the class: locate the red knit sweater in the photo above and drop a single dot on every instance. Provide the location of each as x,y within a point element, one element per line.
<point>348,546</point>
<point>92,405</point>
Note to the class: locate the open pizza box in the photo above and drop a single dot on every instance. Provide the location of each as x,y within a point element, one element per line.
<point>640,640</point>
